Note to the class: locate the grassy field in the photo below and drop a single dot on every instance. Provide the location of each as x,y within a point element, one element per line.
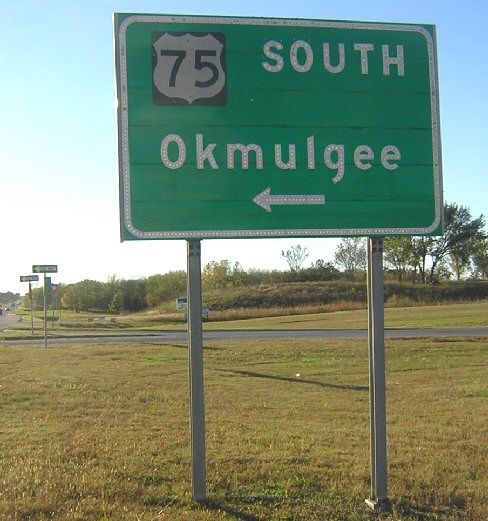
<point>446,315</point>
<point>101,432</point>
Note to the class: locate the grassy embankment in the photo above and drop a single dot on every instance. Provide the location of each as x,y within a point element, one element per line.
<point>92,433</point>
<point>304,305</point>
<point>338,295</point>
<point>471,314</point>
<point>447,315</point>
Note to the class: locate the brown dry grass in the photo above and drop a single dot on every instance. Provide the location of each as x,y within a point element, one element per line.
<point>101,432</point>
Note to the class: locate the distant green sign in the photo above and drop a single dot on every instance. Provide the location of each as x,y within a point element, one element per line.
<point>246,127</point>
<point>45,268</point>
<point>29,278</point>
<point>48,286</point>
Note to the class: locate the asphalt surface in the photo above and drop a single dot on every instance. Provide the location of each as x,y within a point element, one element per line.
<point>164,337</point>
<point>7,320</point>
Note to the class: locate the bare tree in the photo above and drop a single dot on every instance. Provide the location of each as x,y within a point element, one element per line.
<point>350,255</point>
<point>295,257</point>
<point>398,254</point>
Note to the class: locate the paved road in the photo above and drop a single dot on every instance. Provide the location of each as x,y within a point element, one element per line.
<point>7,320</point>
<point>161,337</point>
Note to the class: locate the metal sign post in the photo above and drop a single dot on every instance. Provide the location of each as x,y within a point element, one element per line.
<point>377,381</point>
<point>54,300</point>
<point>30,305</point>
<point>195,344</point>
<point>45,268</point>
<point>45,311</point>
<point>29,279</point>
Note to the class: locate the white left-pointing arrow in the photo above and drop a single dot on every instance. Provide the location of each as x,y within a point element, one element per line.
<point>266,200</point>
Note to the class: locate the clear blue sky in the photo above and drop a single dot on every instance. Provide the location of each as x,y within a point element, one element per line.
<point>59,179</point>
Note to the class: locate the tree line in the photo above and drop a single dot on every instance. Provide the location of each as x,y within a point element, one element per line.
<point>8,297</point>
<point>461,251</point>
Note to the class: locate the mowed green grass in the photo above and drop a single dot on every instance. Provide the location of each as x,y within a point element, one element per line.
<point>102,432</point>
<point>446,315</point>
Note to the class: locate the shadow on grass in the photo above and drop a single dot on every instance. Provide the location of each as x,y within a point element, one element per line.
<point>229,506</point>
<point>222,505</point>
<point>296,380</point>
<point>455,507</point>
<point>183,346</point>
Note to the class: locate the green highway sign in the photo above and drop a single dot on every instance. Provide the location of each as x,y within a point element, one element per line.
<point>253,127</point>
<point>45,268</point>
<point>29,278</point>
<point>47,286</point>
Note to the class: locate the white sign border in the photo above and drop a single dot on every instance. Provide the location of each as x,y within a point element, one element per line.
<point>122,113</point>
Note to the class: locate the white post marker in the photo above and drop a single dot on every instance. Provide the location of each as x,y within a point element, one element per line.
<point>195,346</point>
<point>377,379</point>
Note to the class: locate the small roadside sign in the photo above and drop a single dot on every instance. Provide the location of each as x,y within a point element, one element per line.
<point>45,268</point>
<point>29,278</point>
<point>181,303</point>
